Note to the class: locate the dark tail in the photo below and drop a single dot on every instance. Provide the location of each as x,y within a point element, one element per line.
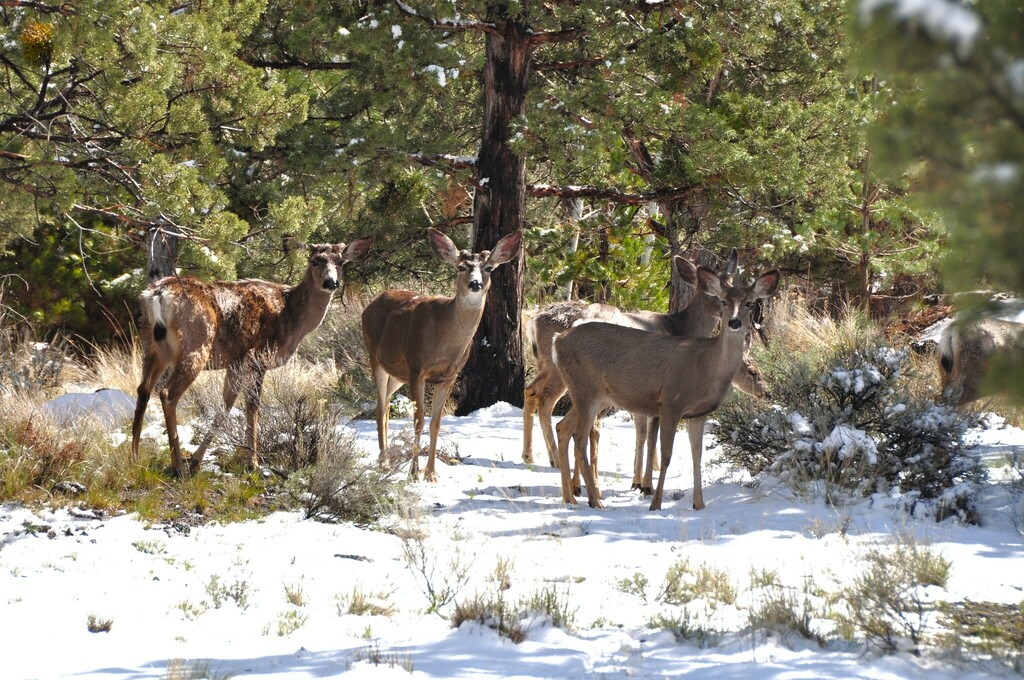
<point>159,331</point>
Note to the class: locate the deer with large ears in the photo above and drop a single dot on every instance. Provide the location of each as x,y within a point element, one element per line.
<point>247,327</point>
<point>657,375</point>
<point>420,339</point>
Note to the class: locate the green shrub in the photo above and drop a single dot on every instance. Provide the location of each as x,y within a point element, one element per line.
<point>847,421</point>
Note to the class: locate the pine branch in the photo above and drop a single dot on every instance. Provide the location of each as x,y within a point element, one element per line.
<point>448,24</point>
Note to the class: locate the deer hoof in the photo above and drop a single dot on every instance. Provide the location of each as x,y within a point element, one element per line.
<point>647,490</point>
<point>577,490</point>
<point>528,458</point>
<point>429,476</point>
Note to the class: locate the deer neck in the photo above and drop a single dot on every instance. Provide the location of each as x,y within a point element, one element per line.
<point>305,307</point>
<point>699,319</point>
<point>462,313</point>
<point>727,354</point>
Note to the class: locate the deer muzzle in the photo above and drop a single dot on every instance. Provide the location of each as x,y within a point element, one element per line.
<point>330,284</point>
<point>475,286</point>
<point>735,324</point>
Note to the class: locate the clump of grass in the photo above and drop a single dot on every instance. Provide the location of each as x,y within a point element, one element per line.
<point>97,624</point>
<point>684,626</point>
<point>887,602</point>
<point>684,584</point>
<point>373,654</point>
<point>363,603</point>
<point>780,610</point>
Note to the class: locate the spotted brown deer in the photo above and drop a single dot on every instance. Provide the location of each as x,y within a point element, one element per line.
<point>247,327</point>
<point>420,339</point>
<point>656,375</point>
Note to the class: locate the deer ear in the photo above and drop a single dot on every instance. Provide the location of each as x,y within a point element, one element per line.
<point>708,282</point>
<point>686,269</point>
<point>356,250</point>
<point>506,248</point>
<point>767,283</point>
<point>443,246</point>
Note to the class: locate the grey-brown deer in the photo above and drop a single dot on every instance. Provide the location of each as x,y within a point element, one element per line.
<point>657,375</point>
<point>699,318</point>
<point>420,339</point>
<point>247,327</point>
<point>966,351</point>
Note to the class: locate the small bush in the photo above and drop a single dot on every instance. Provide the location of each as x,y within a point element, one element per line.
<point>887,602</point>
<point>95,624</point>
<point>848,423</point>
<point>684,627</point>
<point>783,611</point>
<point>512,620</point>
<point>341,486</point>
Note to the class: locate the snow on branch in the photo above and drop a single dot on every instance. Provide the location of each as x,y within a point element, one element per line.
<point>447,24</point>
<point>606,193</point>
<point>939,19</point>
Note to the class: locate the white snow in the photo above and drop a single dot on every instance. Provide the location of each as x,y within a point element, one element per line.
<point>213,601</point>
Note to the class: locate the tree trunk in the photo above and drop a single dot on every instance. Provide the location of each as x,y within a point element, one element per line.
<point>495,370</point>
<point>161,253</point>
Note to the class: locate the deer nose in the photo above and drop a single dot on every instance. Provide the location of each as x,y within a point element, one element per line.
<point>331,284</point>
<point>475,286</point>
<point>734,324</point>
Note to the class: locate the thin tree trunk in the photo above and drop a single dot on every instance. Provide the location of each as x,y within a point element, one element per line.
<point>495,370</point>
<point>161,253</point>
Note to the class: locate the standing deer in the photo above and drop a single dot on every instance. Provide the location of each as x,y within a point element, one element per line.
<point>247,327</point>
<point>419,339</point>
<point>697,319</point>
<point>657,375</point>
<point>966,351</point>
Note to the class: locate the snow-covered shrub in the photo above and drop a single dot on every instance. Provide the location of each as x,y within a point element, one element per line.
<point>847,422</point>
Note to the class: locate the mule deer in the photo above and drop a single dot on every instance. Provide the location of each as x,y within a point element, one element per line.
<point>247,327</point>
<point>966,351</point>
<point>657,375</point>
<point>697,319</point>
<point>419,339</point>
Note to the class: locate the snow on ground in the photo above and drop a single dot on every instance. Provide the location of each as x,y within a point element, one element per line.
<point>214,602</point>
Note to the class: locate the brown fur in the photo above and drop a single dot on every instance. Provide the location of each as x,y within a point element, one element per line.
<point>425,339</point>
<point>966,351</point>
<point>655,375</point>
<point>247,327</point>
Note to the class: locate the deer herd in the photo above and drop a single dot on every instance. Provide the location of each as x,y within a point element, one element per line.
<point>661,368</point>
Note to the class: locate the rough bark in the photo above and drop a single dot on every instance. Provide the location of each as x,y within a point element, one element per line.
<point>495,370</point>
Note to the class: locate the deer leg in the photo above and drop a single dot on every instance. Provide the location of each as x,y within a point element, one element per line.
<point>640,423</point>
<point>253,393</point>
<point>529,409</point>
<point>152,369</point>
<point>584,426</point>
<point>595,438</point>
<point>652,443</point>
<point>695,428</point>
<point>386,388</point>
<point>647,487</point>
<point>564,438</point>
<point>441,393</point>
<point>418,388</point>
<point>567,432</point>
<point>179,381</point>
<point>547,404</point>
<point>668,435</point>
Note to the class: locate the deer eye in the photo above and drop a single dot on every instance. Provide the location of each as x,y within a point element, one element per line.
<point>489,269</point>
<point>462,267</point>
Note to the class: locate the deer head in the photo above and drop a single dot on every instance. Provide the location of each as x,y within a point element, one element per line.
<point>474,268</point>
